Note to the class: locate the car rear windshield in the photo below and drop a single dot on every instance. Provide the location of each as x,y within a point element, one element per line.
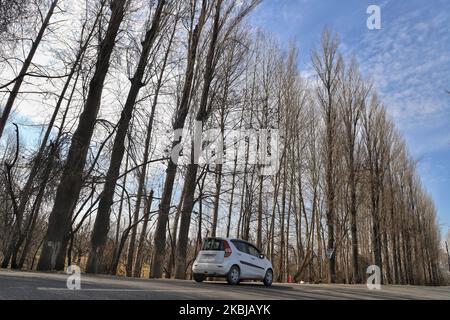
<point>213,244</point>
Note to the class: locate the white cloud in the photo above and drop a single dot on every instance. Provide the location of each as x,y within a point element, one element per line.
<point>409,62</point>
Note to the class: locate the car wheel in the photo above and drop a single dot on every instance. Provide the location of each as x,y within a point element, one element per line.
<point>234,275</point>
<point>199,277</point>
<point>268,278</point>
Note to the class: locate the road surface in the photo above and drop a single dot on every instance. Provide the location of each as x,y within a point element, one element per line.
<point>51,286</point>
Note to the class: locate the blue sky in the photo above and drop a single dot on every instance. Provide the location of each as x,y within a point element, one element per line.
<point>408,60</point>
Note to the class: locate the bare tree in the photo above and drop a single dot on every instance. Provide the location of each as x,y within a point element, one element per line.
<point>10,13</point>
<point>24,196</point>
<point>23,72</point>
<point>69,188</point>
<point>327,63</point>
<point>102,222</point>
<point>353,94</point>
<point>191,175</point>
<point>178,123</point>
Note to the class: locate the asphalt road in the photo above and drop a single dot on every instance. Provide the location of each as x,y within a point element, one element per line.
<point>50,286</point>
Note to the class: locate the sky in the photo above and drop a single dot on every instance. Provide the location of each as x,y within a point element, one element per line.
<point>408,60</point>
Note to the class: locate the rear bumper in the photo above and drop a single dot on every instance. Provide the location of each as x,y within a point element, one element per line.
<point>211,269</point>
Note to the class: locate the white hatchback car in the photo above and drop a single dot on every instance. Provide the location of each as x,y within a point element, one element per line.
<point>233,259</point>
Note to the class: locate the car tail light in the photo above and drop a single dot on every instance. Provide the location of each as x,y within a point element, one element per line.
<point>227,249</point>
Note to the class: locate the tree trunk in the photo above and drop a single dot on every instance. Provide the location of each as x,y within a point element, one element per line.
<point>230,209</point>
<point>376,233</point>
<point>216,199</point>
<point>448,255</point>
<point>174,233</point>
<point>198,243</point>
<point>271,247</point>
<point>71,181</point>
<point>186,211</point>
<point>281,275</point>
<point>141,246</point>
<point>119,216</point>
<point>260,209</point>
<point>288,225</point>
<point>353,222</point>
<point>132,242</point>
<point>118,253</point>
<point>331,249</point>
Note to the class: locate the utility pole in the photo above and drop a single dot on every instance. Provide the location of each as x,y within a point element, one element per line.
<point>448,255</point>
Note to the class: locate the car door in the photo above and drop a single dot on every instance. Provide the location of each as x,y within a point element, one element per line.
<point>249,260</point>
<point>244,259</point>
<point>258,264</point>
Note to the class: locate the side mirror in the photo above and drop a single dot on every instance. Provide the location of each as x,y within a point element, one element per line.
<point>261,256</point>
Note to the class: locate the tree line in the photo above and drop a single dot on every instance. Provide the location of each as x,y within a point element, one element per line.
<point>98,187</point>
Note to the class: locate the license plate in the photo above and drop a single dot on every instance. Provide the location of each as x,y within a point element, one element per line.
<point>209,257</point>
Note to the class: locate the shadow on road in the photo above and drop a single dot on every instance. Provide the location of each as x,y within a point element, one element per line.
<point>246,285</point>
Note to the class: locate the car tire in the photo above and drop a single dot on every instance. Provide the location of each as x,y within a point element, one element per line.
<point>234,275</point>
<point>199,277</point>
<point>268,278</point>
